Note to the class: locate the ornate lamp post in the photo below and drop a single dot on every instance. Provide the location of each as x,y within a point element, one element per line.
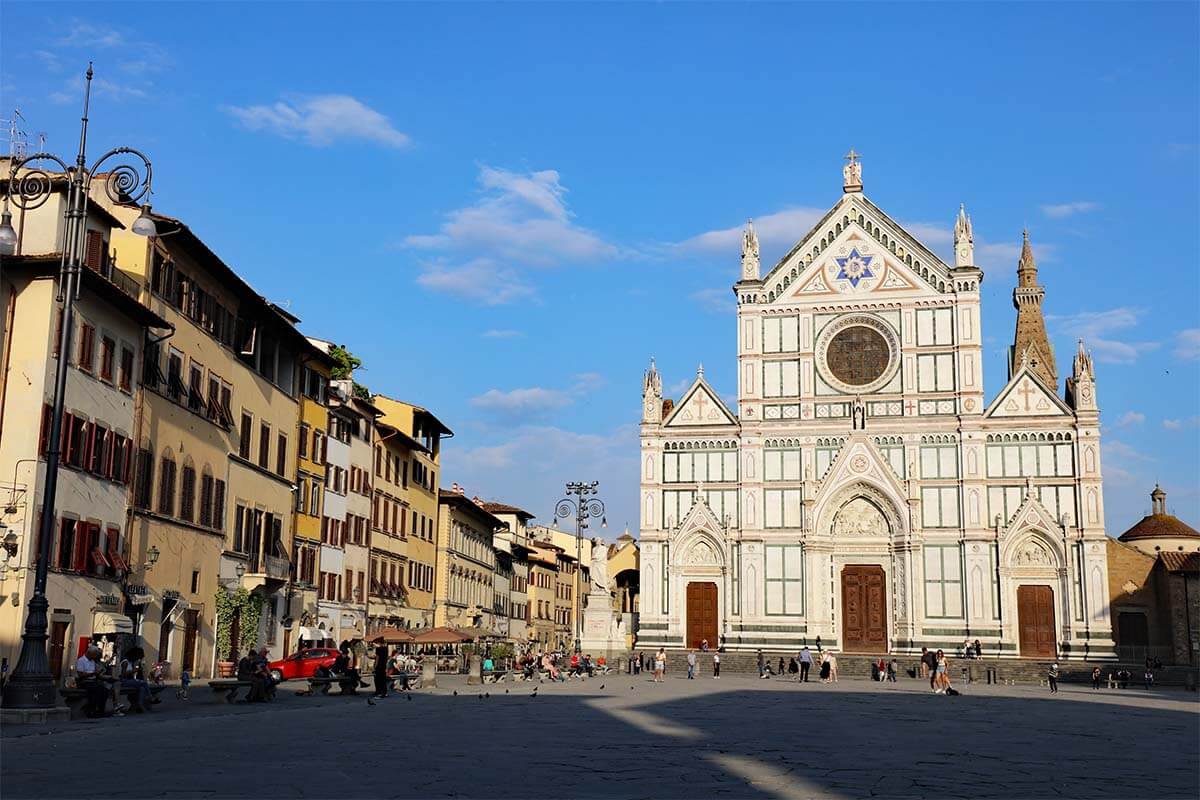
<point>32,685</point>
<point>582,508</point>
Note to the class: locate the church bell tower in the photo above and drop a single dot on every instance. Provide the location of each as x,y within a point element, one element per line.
<point>1031,344</point>
<point>652,403</point>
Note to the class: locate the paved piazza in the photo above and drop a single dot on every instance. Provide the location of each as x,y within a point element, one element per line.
<point>737,737</point>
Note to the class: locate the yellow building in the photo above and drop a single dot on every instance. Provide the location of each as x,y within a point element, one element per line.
<point>313,581</point>
<point>543,633</point>
<point>213,491</point>
<point>421,474</point>
<point>464,594</point>
<point>389,593</point>
<point>624,570</point>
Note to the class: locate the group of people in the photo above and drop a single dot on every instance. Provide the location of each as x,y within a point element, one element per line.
<point>255,667</point>
<point>799,666</point>
<point>936,667</point>
<point>96,678</point>
<point>558,666</point>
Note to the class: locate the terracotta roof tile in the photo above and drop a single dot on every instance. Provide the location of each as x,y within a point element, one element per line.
<point>1159,526</point>
<point>1180,562</point>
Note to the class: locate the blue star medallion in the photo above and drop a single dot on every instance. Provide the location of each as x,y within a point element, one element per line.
<point>855,267</point>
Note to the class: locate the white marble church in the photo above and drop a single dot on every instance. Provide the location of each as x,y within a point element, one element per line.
<point>867,494</point>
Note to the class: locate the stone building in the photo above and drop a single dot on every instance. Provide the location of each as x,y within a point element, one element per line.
<point>867,493</point>
<point>1154,587</point>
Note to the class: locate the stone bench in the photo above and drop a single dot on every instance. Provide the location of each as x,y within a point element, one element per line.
<point>349,684</point>
<point>230,686</point>
<point>495,676</point>
<point>76,698</point>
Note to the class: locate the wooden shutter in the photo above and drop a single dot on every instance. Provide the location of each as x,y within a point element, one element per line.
<point>94,257</point>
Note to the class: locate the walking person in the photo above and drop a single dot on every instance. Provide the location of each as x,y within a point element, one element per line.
<point>805,663</point>
<point>691,661</point>
<point>929,666</point>
<point>380,671</point>
<point>660,664</point>
<point>941,673</point>
<point>925,662</point>
<point>893,667</point>
<point>825,668</point>
<point>762,664</point>
<point>833,673</point>
<point>1052,678</point>
<point>1095,677</point>
<point>716,666</point>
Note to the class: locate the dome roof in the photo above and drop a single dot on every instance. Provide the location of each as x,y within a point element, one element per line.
<point>1159,524</point>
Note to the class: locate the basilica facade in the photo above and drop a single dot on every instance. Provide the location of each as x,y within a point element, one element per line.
<point>867,495</point>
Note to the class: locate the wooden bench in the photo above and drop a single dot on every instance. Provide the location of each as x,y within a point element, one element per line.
<point>76,698</point>
<point>230,686</point>
<point>349,684</point>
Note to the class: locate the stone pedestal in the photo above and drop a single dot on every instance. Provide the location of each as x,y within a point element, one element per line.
<point>34,716</point>
<point>603,633</point>
<point>429,674</point>
<point>475,671</point>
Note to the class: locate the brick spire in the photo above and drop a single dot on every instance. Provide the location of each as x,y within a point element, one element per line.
<point>1031,344</point>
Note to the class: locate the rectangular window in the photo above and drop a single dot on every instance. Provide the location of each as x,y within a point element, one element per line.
<point>943,582</point>
<point>939,506</point>
<point>187,498</point>
<point>87,347</point>
<point>302,442</point>
<point>735,578</point>
<point>206,499</point>
<point>98,462</point>
<point>125,373</point>
<point>781,465</point>
<point>939,462</point>
<point>933,326</point>
<point>783,508</point>
<point>784,579</point>
<point>108,354</point>
<point>281,455</point>
<point>218,505</point>
<point>264,445</point>
<point>66,544</point>
<point>935,373</point>
<point>166,487</point>
<point>175,388</point>
<point>245,434</point>
<point>666,579</point>
<point>144,489</point>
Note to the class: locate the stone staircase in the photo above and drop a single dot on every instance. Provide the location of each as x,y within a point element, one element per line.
<point>1006,670</point>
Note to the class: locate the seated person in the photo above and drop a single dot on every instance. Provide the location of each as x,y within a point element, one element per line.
<point>489,665</point>
<point>247,670</point>
<point>89,678</point>
<point>131,667</point>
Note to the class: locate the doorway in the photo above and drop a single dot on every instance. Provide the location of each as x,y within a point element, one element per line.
<point>701,614</point>
<point>864,609</point>
<point>58,646</point>
<point>1035,621</point>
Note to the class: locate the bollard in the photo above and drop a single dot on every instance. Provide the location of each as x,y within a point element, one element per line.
<point>991,675</point>
<point>428,674</point>
<point>475,671</point>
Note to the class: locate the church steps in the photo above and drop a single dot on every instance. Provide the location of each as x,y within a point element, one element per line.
<point>1016,670</point>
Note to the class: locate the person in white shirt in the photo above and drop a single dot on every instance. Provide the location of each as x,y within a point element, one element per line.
<point>88,677</point>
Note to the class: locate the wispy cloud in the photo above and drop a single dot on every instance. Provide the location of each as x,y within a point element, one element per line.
<point>1187,344</point>
<point>1180,424</point>
<point>133,76</point>
<point>501,333</point>
<point>715,300</point>
<point>1098,329</point>
<point>1130,418</point>
<point>320,120</point>
<point>777,232</point>
<point>481,280</point>
<point>1064,210</point>
<point>1123,462</point>
<point>520,218</point>
<point>81,33</point>
<point>535,400</point>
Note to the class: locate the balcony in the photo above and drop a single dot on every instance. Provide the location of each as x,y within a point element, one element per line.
<point>269,572</point>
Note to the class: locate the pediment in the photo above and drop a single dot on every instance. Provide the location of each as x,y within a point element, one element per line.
<point>1026,395</point>
<point>859,464</point>
<point>857,249</point>
<point>700,406</point>
<point>699,524</point>
<point>1031,514</point>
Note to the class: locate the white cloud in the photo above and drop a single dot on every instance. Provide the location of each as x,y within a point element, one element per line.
<point>522,401</point>
<point>501,333</point>
<point>1187,344</point>
<point>929,234</point>
<point>481,280</point>
<point>1180,424</point>
<point>1123,463</point>
<point>84,34</point>
<point>718,300</point>
<point>535,400</point>
<point>1130,418</point>
<point>521,218</point>
<point>1063,210</point>
<point>320,120</point>
<point>1096,328</point>
<point>777,233</point>
<point>73,89</point>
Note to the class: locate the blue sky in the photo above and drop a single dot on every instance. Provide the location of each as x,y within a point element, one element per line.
<point>505,210</point>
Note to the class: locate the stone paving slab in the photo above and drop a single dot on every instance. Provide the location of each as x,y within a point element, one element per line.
<point>626,737</point>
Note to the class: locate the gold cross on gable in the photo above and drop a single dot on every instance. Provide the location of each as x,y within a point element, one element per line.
<point>700,403</point>
<point>851,156</point>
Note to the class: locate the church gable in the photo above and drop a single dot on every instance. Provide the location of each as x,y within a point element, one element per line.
<point>856,249</point>
<point>1026,395</point>
<point>859,462</point>
<point>700,406</point>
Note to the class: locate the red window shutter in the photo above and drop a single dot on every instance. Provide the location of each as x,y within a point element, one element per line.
<point>95,250</point>
<point>83,535</point>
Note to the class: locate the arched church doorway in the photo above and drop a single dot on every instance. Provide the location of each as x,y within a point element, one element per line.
<point>864,609</point>
<point>701,614</point>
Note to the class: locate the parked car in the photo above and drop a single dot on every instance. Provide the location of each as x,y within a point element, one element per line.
<point>303,663</point>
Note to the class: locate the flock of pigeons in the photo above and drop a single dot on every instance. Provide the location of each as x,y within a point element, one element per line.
<point>482,695</point>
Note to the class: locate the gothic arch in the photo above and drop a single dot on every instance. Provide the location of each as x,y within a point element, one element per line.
<point>1032,548</point>
<point>881,500</point>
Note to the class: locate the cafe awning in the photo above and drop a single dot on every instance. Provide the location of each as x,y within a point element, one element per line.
<point>440,636</point>
<point>313,634</point>
<point>107,622</point>
<point>391,636</point>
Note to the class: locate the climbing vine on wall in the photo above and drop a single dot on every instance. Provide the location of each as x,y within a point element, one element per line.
<point>244,607</point>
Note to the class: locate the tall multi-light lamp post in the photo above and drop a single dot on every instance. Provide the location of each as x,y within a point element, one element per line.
<point>582,508</point>
<point>32,684</point>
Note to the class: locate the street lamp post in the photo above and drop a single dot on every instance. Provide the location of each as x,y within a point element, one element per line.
<point>582,508</point>
<point>32,684</point>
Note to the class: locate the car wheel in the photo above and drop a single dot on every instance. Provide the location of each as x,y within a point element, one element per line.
<point>276,676</point>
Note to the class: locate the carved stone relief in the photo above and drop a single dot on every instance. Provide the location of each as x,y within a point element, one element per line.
<point>1032,554</point>
<point>860,517</point>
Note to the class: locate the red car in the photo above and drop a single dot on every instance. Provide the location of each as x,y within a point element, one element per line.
<point>304,663</point>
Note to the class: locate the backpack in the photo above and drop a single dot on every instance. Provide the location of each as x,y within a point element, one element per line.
<point>951,691</point>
